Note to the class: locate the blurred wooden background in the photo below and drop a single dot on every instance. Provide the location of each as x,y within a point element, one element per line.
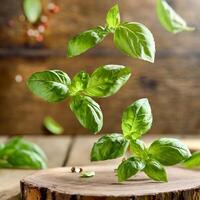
<point>171,83</point>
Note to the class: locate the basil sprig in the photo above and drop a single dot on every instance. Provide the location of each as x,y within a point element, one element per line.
<point>55,86</point>
<point>169,19</point>
<point>137,120</point>
<point>133,39</point>
<point>20,153</point>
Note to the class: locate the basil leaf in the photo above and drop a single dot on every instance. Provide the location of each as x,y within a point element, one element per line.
<point>87,174</point>
<point>107,80</point>
<point>135,40</point>
<point>129,168</point>
<point>155,171</point>
<point>169,19</point>
<point>52,126</point>
<point>193,161</point>
<point>52,85</point>
<point>18,143</point>
<point>5,164</point>
<point>113,17</point>
<point>109,147</point>
<point>87,112</point>
<point>85,40</point>
<point>25,159</point>
<point>79,83</point>
<point>138,148</point>
<point>169,151</point>
<point>32,10</point>
<point>137,119</point>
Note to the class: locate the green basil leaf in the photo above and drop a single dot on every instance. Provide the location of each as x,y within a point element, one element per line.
<point>107,80</point>
<point>113,17</point>
<point>52,85</point>
<point>155,171</point>
<point>52,126</point>
<point>87,112</point>
<point>193,161</point>
<point>109,147</point>
<point>1,146</point>
<point>87,174</point>
<point>169,19</point>
<point>5,164</point>
<point>18,143</point>
<point>26,159</point>
<point>135,40</point>
<point>79,83</point>
<point>32,10</point>
<point>129,168</point>
<point>169,151</point>
<point>85,40</point>
<point>137,119</point>
<point>138,148</point>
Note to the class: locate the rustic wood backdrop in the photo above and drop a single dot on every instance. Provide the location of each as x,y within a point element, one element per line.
<point>171,83</point>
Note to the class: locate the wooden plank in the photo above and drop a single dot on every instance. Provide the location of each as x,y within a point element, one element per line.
<point>81,15</point>
<point>80,152</point>
<point>60,183</point>
<point>9,183</point>
<point>192,141</point>
<point>167,83</point>
<point>55,149</point>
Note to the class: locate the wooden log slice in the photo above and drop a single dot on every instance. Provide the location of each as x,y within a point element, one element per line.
<point>61,184</point>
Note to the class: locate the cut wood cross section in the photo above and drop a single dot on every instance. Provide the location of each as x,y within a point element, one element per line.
<point>61,183</point>
<point>63,151</point>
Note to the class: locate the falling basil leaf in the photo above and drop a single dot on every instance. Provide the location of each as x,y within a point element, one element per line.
<point>137,119</point>
<point>169,151</point>
<point>107,80</point>
<point>135,40</point>
<point>155,171</point>
<point>87,112</point>
<point>32,10</point>
<point>79,83</point>
<point>129,168</point>
<point>113,17</point>
<point>87,174</point>
<point>52,85</point>
<point>169,19</point>
<point>193,161</point>
<point>52,126</point>
<point>109,147</point>
<point>85,40</point>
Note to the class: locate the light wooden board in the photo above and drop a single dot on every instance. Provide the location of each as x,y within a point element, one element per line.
<point>55,149</point>
<point>60,184</point>
<point>80,153</point>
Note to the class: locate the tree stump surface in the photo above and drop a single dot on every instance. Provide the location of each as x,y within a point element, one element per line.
<point>62,184</point>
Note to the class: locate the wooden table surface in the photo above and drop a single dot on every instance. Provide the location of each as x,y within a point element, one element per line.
<point>64,151</point>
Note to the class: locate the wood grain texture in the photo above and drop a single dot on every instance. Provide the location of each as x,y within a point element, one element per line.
<point>171,83</point>
<point>80,152</point>
<point>55,148</point>
<point>172,86</point>
<point>76,16</point>
<point>60,183</point>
